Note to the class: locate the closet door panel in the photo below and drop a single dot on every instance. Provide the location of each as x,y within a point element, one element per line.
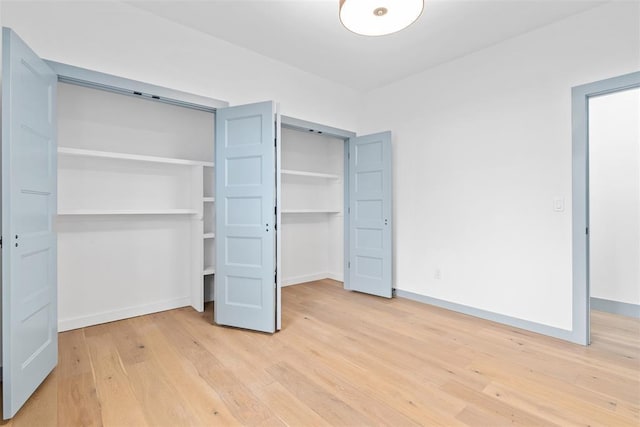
<point>29,254</point>
<point>245,219</point>
<point>370,227</point>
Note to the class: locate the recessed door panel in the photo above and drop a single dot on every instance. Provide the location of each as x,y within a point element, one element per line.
<point>369,182</point>
<point>243,211</point>
<point>244,131</point>
<point>244,171</point>
<point>244,251</point>
<point>369,238</point>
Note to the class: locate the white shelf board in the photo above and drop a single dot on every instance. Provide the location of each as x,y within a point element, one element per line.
<point>209,235</point>
<point>309,174</point>
<point>208,199</point>
<point>309,211</point>
<point>134,157</point>
<point>208,271</point>
<point>128,212</point>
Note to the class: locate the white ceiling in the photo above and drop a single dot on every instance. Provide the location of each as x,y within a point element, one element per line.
<point>307,34</point>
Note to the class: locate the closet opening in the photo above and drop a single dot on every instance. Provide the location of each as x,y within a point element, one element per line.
<point>136,212</point>
<point>312,187</point>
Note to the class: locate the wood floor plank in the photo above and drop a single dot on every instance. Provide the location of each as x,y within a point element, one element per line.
<point>242,403</point>
<point>118,403</point>
<point>327,405</point>
<point>497,408</point>
<point>342,358</point>
<point>78,402</point>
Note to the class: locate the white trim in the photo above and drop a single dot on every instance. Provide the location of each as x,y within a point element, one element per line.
<point>338,277</point>
<point>297,280</point>
<point>120,314</point>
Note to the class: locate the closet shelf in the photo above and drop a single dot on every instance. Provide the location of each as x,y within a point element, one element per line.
<point>134,157</point>
<point>208,271</point>
<point>128,212</point>
<point>310,211</point>
<point>209,235</point>
<point>309,174</point>
<point>208,199</point>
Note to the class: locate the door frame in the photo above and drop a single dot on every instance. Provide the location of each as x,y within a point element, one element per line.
<point>580,95</point>
<point>124,86</point>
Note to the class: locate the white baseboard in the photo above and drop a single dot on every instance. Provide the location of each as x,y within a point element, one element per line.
<point>123,313</point>
<point>336,276</point>
<point>296,280</point>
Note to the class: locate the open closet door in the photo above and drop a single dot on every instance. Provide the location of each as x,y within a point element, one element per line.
<point>245,290</point>
<point>29,283</point>
<point>370,243</point>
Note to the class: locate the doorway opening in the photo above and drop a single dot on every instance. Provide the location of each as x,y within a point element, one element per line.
<point>581,221</point>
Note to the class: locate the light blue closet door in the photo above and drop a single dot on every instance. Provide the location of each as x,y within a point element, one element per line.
<point>370,226</point>
<point>29,287</point>
<point>245,291</point>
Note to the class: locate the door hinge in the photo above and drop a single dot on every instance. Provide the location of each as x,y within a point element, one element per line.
<point>0,242</point>
<point>586,230</point>
<point>349,264</point>
<point>349,210</point>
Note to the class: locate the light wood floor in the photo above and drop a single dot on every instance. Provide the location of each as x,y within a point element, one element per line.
<point>342,359</point>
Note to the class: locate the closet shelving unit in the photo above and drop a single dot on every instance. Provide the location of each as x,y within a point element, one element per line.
<point>135,206</point>
<point>209,235</point>
<point>312,206</point>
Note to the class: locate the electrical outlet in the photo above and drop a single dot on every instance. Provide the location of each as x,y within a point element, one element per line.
<point>438,274</point>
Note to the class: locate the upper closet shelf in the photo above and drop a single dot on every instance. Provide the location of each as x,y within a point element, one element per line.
<point>310,211</point>
<point>135,157</point>
<point>309,174</point>
<point>128,212</point>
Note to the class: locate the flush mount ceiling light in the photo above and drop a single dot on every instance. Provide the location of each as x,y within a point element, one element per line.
<point>379,17</point>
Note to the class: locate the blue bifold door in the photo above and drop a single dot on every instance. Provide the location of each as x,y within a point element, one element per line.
<point>245,283</point>
<point>29,181</point>
<point>370,222</point>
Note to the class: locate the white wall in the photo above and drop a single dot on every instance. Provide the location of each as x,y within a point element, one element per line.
<point>119,39</point>
<point>482,146</point>
<point>614,196</point>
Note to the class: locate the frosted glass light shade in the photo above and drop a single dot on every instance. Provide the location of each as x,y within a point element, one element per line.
<point>379,17</point>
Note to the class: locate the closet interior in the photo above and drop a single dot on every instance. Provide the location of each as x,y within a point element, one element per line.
<point>312,211</point>
<point>136,208</point>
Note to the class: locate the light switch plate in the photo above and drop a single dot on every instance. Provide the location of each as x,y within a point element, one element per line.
<point>558,204</point>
